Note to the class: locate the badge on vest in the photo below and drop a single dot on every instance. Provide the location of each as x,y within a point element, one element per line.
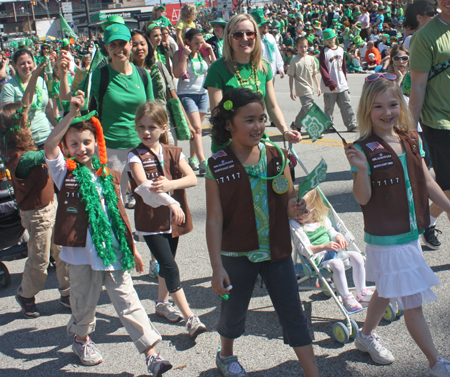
<point>280,184</point>
<point>382,160</point>
<point>71,209</point>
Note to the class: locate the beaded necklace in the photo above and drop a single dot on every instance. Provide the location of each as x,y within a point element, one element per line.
<point>252,79</point>
<point>38,103</point>
<point>200,60</point>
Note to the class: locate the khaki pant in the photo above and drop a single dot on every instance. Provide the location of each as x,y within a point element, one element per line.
<point>307,101</point>
<point>343,101</point>
<point>39,223</point>
<point>86,286</point>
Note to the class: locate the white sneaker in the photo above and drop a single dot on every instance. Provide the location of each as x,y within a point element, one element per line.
<point>373,346</point>
<point>194,326</point>
<point>441,368</point>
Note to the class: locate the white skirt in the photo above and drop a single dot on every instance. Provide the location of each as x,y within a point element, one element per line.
<point>401,274</point>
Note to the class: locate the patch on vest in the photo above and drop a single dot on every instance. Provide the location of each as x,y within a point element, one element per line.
<point>374,145</point>
<point>221,153</point>
<point>382,160</point>
<point>72,209</point>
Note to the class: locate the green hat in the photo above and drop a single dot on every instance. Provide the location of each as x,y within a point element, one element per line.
<point>22,44</point>
<point>292,16</point>
<point>335,20</point>
<point>160,7</point>
<point>328,34</point>
<point>258,15</point>
<point>218,21</point>
<point>114,19</point>
<point>84,118</point>
<point>65,42</point>
<point>117,31</point>
<point>358,41</point>
<point>45,44</point>
<point>358,13</point>
<point>358,25</point>
<point>387,36</point>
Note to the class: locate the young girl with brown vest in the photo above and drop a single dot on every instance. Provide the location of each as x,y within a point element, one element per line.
<point>249,200</point>
<point>159,174</point>
<point>392,184</point>
<point>94,231</point>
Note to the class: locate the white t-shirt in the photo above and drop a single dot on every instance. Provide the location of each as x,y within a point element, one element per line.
<point>88,254</point>
<point>335,59</point>
<point>133,158</point>
<point>196,81</point>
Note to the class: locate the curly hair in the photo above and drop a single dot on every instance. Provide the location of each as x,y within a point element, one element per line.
<point>19,139</point>
<point>220,116</point>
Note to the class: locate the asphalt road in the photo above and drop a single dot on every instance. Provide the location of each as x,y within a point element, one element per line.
<point>41,347</point>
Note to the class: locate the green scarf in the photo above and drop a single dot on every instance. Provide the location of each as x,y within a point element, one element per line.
<point>158,87</point>
<point>270,47</point>
<point>38,103</point>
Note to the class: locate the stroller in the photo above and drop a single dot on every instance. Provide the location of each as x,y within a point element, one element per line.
<point>13,237</point>
<point>307,270</point>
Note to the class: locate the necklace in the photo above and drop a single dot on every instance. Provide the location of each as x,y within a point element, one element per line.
<point>252,79</point>
<point>38,103</point>
<point>200,60</point>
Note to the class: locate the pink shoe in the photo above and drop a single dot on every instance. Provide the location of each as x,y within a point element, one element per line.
<point>364,297</point>
<point>351,304</point>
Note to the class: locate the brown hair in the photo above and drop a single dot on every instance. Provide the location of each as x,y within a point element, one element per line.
<point>158,114</point>
<point>19,139</point>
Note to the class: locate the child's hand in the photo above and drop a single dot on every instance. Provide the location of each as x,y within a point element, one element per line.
<point>331,246</point>
<point>139,262</point>
<point>77,102</point>
<point>355,156</point>
<point>296,207</point>
<point>219,281</point>
<point>161,184</point>
<point>319,92</point>
<point>342,242</point>
<point>178,216</point>
<point>293,96</point>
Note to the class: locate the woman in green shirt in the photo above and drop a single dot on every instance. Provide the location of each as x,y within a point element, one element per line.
<point>158,18</point>
<point>242,66</point>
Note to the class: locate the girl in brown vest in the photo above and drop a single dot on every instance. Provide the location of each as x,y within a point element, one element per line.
<point>392,184</point>
<point>93,228</point>
<point>160,175</point>
<point>35,197</point>
<point>247,228</point>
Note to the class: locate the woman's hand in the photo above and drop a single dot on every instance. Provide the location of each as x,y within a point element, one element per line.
<point>355,156</point>
<point>161,184</point>
<point>341,241</point>
<point>139,262</point>
<point>178,216</point>
<point>219,281</point>
<point>207,46</point>
<point>186,51</point>
<point>39,69</point>
<point>292,136</point>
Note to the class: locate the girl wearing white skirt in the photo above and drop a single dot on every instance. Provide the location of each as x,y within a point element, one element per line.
<point>392,184</point>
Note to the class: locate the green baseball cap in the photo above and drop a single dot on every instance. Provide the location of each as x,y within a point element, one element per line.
<point>161,7</point>
<point>114,19</point>
<point>328,34</point>
<point>117,31</point>
<point>65,42</point>
<point>258,15</point>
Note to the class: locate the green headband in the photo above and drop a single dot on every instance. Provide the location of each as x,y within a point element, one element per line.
<point>151,26</point>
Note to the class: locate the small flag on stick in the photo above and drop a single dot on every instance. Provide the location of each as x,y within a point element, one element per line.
<point>66,29</point>
<point>316,177</point>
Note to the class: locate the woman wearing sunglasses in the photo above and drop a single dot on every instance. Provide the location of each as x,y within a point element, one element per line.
<point>399,65</point>
<point>242,66</point>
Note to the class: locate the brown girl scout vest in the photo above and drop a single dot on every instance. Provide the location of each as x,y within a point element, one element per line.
<point>239,232</point>
<point>387,212</point>
<point>72,219</point>
<point>146,218</point>
<point>36,190</point>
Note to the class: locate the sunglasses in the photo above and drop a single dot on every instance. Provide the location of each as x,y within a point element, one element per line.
<point>398,58</point>
<point>240,34</point>
<point>376,76</point>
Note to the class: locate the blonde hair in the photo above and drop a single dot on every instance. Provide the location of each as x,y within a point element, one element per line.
<point>256,55</point>
<point>315,203</point>
<point>371,90</point>
<point>188,12</point>
<point>155,111</point>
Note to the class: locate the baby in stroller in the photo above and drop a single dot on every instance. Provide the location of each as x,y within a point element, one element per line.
<point>328,246</point>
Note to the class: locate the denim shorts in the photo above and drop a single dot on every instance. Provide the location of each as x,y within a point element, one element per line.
<point>195,102</point>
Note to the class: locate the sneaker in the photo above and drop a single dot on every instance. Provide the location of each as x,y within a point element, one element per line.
<point>429,237</point>
<point>28,306</point>
<point>185,77</point>
<point>194,326</point>
<point>441,368</point>
<point>166,310</point>
<point>229,366</point>
<point>372,344</point>
<point>364,297</point>
<point>351,304</point>
<point>352,128</point>
<point>157,366</point>
<point>193,163</point>
<point>153,270</point>
<point>87,351</point>
<point>131,201</point>
<point>202,167</point>
<point>65,301</point>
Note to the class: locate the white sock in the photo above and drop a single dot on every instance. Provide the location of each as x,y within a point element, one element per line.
<point>432,220</point>
<point>364,336</point>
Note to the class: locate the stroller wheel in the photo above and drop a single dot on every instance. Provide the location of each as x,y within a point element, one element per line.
<point>399,313</point>
<point>355,329</point>
<point>389,315</point>
<point>5,277</point>
<point>340,332</point>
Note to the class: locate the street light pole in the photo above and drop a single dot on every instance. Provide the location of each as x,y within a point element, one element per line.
<point>88,18</point>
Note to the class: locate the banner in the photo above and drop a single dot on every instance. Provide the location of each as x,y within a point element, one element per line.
<point>316,177</point>
<point>315,122</point>
<point>66,29</point>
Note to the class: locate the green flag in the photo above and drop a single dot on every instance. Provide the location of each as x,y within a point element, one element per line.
<point>99,60</point>
<point>315,122</point>
<point>66,29</point>
<point>316,177</point>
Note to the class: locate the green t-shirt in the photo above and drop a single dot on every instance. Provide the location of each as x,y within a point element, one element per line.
<point>346,33</point>
<point>429,47</point>
<point>220,77</point>
<point>288,42</point>
<point>163,21</point>
<point>261,207</point>
<point>122,98</point>
<point>413,234</point>
<point>40,126</point>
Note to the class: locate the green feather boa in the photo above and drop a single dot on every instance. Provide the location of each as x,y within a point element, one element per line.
<point>100,226</point>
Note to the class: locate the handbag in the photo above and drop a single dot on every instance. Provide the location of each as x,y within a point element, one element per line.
<point>177,117</point>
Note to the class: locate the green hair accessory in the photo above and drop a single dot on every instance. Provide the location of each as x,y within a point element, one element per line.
<point>18,114</point>
<point>228,105</point>
<point>151,26</point>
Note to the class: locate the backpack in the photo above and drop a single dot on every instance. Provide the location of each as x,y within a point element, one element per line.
<point>104,81</point>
